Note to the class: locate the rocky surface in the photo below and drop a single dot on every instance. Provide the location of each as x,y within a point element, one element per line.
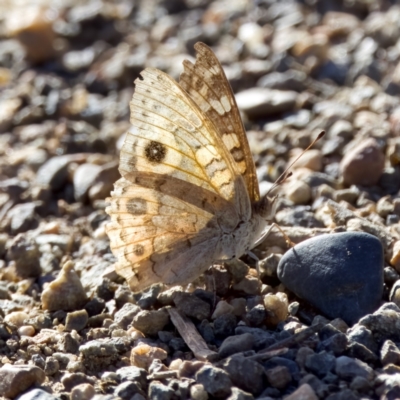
<point>69,326</point>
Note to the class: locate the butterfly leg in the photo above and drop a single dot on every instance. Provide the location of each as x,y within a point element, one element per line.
<point>257,260</point>
<point>266,233</point>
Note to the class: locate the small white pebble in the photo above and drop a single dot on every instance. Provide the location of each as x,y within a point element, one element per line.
<point>135,334</point>
<point>84,391</point>
<point>175,364</point>
<point>119,333</point>
<point>16,318</point>
<point>26,330</point>
<point>197,392</point>
<point>298,192</point>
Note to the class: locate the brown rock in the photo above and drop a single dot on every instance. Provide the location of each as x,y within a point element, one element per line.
<point>143,355</point>
<point>15,379</point>
<point>304,392</point>
<point>66,292</point>
<point>363,165</point>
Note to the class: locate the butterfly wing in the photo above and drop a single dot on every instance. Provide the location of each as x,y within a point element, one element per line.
<point>157,236</point>
<point>207,85</point>
<point>179,190</point>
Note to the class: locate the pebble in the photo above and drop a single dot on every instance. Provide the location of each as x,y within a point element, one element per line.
<point>225,325</point>
<point>23,217</point>
<point>84,391</point>
<point>249,285</point>
<point>236,344</point>
<point>349,368</point>
<point>276,306</point>
<point>26,330</point>
<point>151,322</point>
<point>197,392</point>
<point>143,355</point>
<point>54,172</point>
<point>263,102</point>
<point>76,320</point>
<point>25,254</point>
<point>298,192</point>
<point>215,381</point>
<point>192,306</point>
<point>363,165</point>
<point>222,307</point>
<point>390,353</point>
<point>246,374</point>
<point>354,288</point>
<point>159,391</point>
<point>37,394</point>
<point>84,178</point>
<point>16,318</point>
<point>382,323</point>
<point>15,379</point>
<point>66,292</point>
<point>304,392</point>
<point>238,394</point>
<point>124,316</point>
<point>278,377</point>
<point>320,364</point>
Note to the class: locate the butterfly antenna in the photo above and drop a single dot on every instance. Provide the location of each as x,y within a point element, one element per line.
<point>287,173</point>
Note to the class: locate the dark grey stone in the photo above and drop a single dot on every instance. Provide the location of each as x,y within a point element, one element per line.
<point>36,394</point>
<point>336,344</point>
<point>320,364</point>
<point>216,381</point>
<point>225,325</point>
<point>340,274</point>
<point>125,315</point>
<point>192,306</point>
<point>383,323</point>
<point>134,374</point>
<point>362,335</point>
<point>320,388</point>
<point>345,394</point>
<point>126,390</point>
<point>256,316</point>
<point>236,344</point>
<point>357,350</point>
<point>285,362</point>
<point>246,374</point>
<point>348,368</point>
<point>262,338</point>
<point>158,391</point>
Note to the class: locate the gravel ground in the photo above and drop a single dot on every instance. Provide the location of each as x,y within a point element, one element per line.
<point>70,328</point>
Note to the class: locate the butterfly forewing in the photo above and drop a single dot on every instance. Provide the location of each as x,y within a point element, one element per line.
<point>207,85</point>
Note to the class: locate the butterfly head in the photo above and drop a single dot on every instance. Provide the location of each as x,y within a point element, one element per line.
<point>266,207</point>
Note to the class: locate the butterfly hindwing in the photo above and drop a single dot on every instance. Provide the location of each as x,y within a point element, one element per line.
<point>207,85</point>
<point>158,237</point>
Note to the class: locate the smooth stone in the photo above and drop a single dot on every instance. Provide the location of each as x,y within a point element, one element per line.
<point>263,102</point>
<point>37,394</point>
<point>14,379</point>
<point>363,165</point>
<point>340,274</point>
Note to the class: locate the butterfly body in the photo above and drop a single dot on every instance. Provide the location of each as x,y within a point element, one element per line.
<point>189,194</point>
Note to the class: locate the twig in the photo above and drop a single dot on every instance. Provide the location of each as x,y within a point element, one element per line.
<point>191,336</point>
<point>295,339</point>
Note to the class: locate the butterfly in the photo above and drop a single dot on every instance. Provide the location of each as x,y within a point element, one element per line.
<point>188,196</point>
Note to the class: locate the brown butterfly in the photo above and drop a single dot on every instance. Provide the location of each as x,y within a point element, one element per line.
<point>189,194</point>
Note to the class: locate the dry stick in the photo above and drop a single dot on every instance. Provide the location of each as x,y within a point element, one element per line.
<point>285,343</point>
<point>191,337</point>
